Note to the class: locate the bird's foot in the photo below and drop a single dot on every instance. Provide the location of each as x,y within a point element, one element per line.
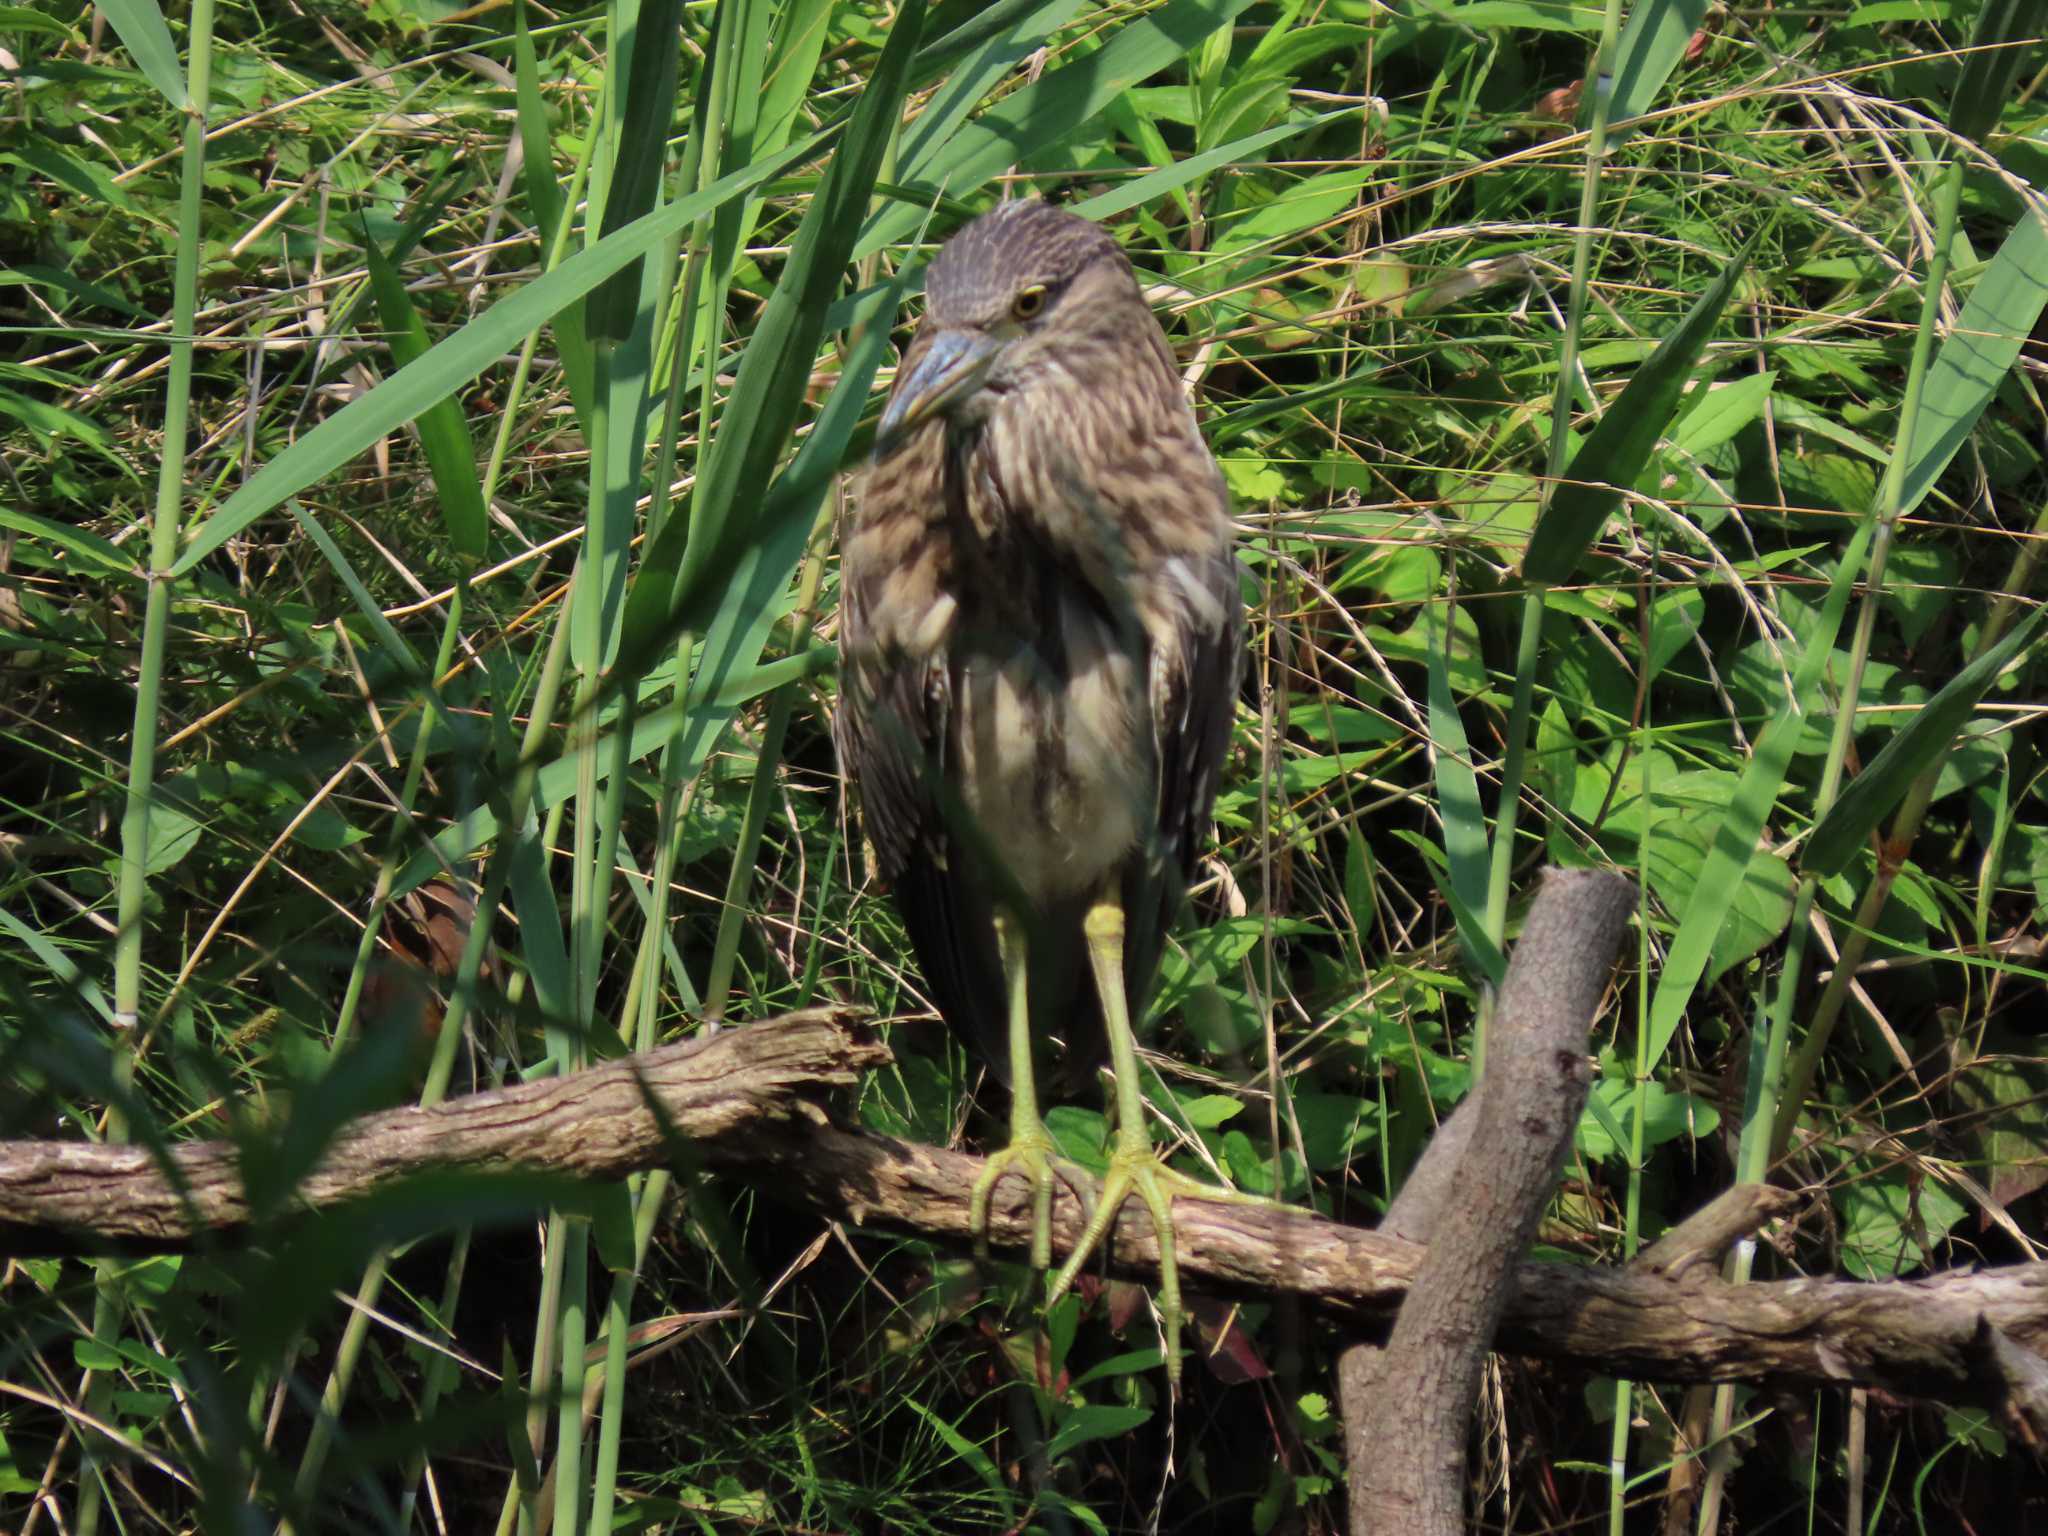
<point>1141,1172</point>
<point>1029,1156</point>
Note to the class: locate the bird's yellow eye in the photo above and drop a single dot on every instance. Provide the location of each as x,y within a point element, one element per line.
<point>1028,303</point>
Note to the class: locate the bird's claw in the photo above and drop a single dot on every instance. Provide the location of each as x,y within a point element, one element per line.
<point>1144,1174</point>
<point>1031,1157</point>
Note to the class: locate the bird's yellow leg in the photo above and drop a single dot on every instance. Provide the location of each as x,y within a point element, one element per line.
<point>1030,1152</point>
<point>1134,1168</point>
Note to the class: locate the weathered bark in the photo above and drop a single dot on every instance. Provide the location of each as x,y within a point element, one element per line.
<point>1362,1363</point>
<point>63,1197</point>
<point>744,1102</point>
<point>1519,1124</point>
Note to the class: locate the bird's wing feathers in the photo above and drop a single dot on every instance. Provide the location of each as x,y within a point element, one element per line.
<point>1193,699</point>
<point>891,733</point>
<point>1194,686</point>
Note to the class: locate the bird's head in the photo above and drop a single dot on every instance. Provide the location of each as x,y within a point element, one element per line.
<point>1022,294</point>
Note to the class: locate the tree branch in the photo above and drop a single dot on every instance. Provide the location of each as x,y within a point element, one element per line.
<point>1497,1176</point>
<point>746,1102</point>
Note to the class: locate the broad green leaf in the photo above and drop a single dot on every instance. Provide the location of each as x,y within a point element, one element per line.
<point>2003,1091</point>
<point>75,175</point>
<point>1828,483</point>
<point>1616,450</point>
<point>173,832</point>
<point>1721,878</point>
<point>1980,750</point>
<point>1207,1111</point>
<point>1892,1222</point>
<point>1919,585</point>
<point>1245,106</point>
<point>1666,1117</point>
<point>1224,1021</point>
<point>1333,1127</point>
<point>1720,411</point>
<point>1302,206</point>
<point>140,26</point>
<point>1252,1166</point>
<point>1932,731</point>
<point>1080,1134</point>
<point>326,829</point>
<point>1131,1362</point>
<point>1284,50</point>
<point>611,1226</point>
<point>1498,511</point>
<point>1675,858</point>
<point>49,421</point>
<point>19,18</point>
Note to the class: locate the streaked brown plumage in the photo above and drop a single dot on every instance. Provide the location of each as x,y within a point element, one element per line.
<point>1041,642</point>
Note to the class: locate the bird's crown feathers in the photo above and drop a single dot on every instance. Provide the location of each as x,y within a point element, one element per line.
<point>979,272</point>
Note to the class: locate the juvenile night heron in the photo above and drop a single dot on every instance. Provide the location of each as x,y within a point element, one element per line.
<point>1041,642</point>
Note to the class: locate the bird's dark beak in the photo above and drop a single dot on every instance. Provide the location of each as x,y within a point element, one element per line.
<point>951,369</point>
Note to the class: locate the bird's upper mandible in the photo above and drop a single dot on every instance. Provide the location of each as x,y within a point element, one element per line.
<point>1036,306</point>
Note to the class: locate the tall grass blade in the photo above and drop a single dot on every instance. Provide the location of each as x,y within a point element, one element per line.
<point>693,558</point>
<point>1756,794</point>
<point>1619,447</point>
<point>1457,798</point>
<point>90,547</point>
<point>549,208</point>
<point>739,627</point>
<point>965,87</point>
<point>444,434</point>
<point>651,46</point>
<point>2004,306</point>
<point>143,32</point>
<point>458,358</point>
<point>1931,732</point>
<point>1653,42</point>
<point>1042,113</point>
<point>1997,49</point>
<point>403,656</point>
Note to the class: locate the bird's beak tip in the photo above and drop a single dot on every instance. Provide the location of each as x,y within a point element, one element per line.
<point>951,369</point>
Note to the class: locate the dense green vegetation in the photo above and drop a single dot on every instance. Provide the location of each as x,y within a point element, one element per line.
<point>333,415</point>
